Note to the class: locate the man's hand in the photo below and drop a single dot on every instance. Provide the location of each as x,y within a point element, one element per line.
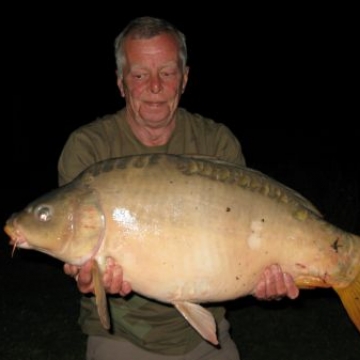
<point>274,284</point>
<point>112,278</point>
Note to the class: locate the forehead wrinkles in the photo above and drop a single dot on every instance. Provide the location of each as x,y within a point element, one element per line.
<point>161,48</point>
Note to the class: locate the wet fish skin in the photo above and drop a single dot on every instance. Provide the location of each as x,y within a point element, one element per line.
<point>190,230</point>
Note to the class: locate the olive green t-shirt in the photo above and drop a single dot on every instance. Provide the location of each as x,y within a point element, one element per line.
<point>152,325</point>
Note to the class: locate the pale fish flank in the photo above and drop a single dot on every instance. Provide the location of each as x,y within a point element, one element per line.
<point>254,239</point>
<point>125,219</point>
<point>188,231</point>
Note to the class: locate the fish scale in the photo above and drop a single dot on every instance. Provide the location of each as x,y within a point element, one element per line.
<point>189,230</point>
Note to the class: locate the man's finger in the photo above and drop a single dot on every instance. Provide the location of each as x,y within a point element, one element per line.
<point>292,289</point>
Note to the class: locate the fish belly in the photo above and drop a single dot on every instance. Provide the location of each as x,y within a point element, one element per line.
<point>198,238</point>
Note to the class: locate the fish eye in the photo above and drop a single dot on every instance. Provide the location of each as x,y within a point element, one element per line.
<point>43,213</point>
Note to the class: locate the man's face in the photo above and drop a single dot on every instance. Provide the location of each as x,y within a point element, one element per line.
<point>153,80</point>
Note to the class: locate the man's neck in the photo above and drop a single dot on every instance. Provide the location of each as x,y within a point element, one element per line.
<point>152,136</point>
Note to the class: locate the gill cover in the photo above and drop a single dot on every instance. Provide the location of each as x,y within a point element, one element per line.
<point>66,223</point>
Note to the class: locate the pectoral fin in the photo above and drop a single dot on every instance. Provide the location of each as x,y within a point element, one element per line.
<point>100,296</point>
<point>200,319</point>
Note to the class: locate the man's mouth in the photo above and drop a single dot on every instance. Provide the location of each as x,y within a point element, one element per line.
<point>154,104</point>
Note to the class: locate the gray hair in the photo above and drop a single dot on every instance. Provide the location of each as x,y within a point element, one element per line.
<point>147,27</point>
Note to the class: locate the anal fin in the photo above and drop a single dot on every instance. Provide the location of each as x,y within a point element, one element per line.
<point>200,319</point>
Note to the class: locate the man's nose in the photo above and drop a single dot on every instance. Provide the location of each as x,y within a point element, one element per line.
<point>155,84</point>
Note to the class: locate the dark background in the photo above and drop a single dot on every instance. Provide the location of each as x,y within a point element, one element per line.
<point>283,79</point>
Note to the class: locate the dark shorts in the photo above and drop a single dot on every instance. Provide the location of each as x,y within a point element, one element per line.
<point>100,348</point>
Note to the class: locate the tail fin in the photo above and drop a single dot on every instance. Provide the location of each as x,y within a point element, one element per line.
<point>350,297</point>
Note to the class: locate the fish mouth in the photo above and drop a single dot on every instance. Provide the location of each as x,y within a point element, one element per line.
<point>17,239</point>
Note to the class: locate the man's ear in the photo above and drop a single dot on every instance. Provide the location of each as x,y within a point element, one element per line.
<point>185,78</point>
<point>120,84</point>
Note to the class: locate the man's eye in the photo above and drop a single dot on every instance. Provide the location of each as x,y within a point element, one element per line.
<point>139,76</point>
<point>167,73</point>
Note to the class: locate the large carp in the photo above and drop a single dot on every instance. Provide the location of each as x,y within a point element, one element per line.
<point>189,230</point>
